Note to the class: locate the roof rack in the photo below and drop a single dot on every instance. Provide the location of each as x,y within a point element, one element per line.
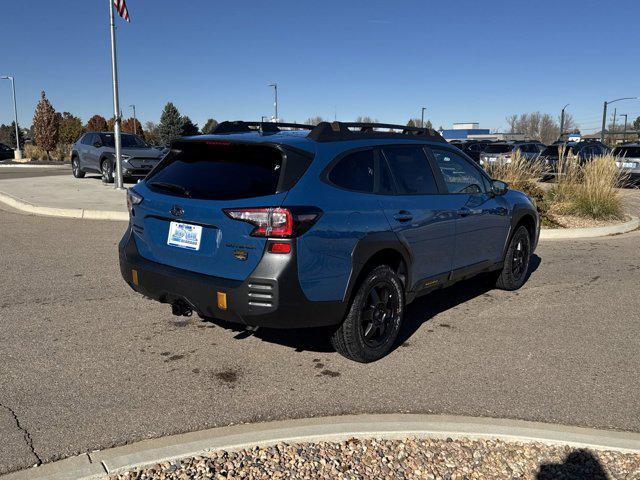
<point>337,131</point>
<point>334,131</point>
<point>265,127</point>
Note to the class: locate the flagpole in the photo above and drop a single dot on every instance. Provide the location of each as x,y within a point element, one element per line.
<point>116,101</point>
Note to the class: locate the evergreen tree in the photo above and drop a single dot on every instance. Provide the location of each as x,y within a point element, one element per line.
<point>189,128</point>
<point>97,123</point>
<point>8,135</point>
<point>211,124</point>
<point>170,126</point>
<point>45,125</point>
<point>70,128</point>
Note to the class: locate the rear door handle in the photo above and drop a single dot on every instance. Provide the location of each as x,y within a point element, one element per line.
<point>403,216</point>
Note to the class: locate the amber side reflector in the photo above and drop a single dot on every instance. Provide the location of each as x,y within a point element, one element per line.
<point>134,277</point>
<point>222,301</point>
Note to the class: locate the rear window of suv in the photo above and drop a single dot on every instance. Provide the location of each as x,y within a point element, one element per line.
<point>630,152</point>
<point>226,171</point>
<point>498,148</point>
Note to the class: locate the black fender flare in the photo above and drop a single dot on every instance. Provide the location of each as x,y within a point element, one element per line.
<point>370,245</point>
<point>521,211</point>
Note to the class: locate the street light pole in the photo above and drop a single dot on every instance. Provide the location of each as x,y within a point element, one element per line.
<point>275,103</point>
<point>562,121</point>
<point>17,155</point>
<point>116,100</point>
<point>135,127</point>
<point>422,117</point>
<point>604,114</point>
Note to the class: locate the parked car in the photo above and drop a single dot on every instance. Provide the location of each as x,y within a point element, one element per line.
<point>474,148</point>
<point>503,152</point>
<point>327,227</point>
<point>584,150</point>
<point>6,152</point>
<point>95,152</point>
<point>628,160</point>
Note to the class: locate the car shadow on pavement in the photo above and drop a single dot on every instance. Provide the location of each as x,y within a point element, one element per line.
<point>579,465</point>
<point>417,313</point>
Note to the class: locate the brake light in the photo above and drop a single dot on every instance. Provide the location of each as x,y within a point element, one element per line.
<point>133,199</point>
<point>279,247</point>
<point>276,221</point>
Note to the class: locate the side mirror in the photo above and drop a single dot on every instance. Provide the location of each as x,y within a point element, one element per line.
<point>97,144</point>
<point>498,187</point>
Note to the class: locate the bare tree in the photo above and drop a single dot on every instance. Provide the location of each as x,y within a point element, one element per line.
<point>415,122</point>
<point>313,120</point>
<point>536,126</point>
<point>366,119</point>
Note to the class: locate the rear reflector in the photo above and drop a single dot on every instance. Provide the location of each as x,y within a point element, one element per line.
<point>279,247</point>
<point>222,300</point>
<point>134,277</point>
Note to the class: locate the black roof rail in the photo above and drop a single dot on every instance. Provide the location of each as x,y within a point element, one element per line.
<point>240,126</point>
<point>337,131</point>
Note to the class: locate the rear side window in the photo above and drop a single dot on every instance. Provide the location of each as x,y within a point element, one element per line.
<point>87,139</point>
<point>411,171</point>
<point>219,172</point>
<point>355,172</point>
<point>630,152</point>
<point>498,148</point>
<point>459,175</point>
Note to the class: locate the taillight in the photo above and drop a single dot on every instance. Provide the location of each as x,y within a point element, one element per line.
<point>275,221</point>
<point>132,200</point>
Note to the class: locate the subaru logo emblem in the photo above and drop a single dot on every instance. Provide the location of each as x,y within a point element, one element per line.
<point>176,211</point>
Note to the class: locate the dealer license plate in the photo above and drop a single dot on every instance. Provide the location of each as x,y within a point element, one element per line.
<point>184,235</point>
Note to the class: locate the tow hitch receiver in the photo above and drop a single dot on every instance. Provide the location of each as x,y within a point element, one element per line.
<point>181,309</point>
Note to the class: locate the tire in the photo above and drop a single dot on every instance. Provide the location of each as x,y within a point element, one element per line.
<point>106,167</point>
<point>75,168</point>
<point>516,261</point>
<point>372,323</point>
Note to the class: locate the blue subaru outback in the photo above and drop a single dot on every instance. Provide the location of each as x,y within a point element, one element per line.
<point>339,225</point>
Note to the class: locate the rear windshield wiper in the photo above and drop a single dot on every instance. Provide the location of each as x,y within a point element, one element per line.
<point>171,186</point>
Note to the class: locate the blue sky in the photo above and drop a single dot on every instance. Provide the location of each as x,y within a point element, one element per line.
<point>464,60</point>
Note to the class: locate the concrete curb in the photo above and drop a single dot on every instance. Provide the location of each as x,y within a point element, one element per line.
<point>568,233</point>
<point>62,212</point>
<point>65,166</point>
<point>98,464</point>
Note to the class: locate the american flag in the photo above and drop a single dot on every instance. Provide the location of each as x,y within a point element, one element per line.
<point>121,7</point>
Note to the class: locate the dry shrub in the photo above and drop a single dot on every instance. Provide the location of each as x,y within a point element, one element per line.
<point>523,174</point>
<point>588,190</point>
<point>60,153</point>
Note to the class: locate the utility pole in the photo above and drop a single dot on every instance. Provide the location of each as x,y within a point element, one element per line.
<point>624,132</point>
<point>17,154</point>
<point>275,103</point>
<point>613,126</point>
<point>135,126</point>
<point>116,100</point>
<point>562,121</point>
<point>422,117</point>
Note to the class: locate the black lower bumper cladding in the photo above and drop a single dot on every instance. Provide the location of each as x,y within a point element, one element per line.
<point>270,297</point>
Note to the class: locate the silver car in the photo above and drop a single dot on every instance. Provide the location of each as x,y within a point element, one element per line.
<point>95,152</point>
<point>501,153</point>
<point>628,160</point>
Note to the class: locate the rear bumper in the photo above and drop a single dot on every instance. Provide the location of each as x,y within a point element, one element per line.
<point>270,297</point>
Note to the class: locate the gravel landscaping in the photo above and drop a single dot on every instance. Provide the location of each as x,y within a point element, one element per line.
<point>411,458</point>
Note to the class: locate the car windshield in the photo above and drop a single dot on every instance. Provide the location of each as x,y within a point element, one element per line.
<point>128,141</point>
<point>552,150</point>
<point>629,152</point>
<point>498,148</point>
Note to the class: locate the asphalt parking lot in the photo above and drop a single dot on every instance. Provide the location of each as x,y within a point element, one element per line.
<point>88,364</point>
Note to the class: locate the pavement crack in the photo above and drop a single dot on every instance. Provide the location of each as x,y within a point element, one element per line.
<point>25,433</point>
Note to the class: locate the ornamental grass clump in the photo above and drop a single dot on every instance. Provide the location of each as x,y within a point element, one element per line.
<point>597,195</point>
